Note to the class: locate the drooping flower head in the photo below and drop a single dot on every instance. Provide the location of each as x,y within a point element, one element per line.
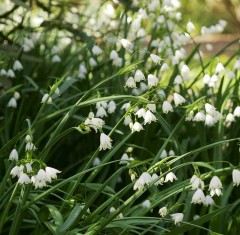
<point>105,142</point>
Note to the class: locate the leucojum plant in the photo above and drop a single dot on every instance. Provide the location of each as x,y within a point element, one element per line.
<point>108,125</point>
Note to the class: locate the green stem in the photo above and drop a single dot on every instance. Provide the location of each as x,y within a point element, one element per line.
<point>73,188</point>
<point>18,216</point>
<point>6,177</point>
<point>79,103</point>
<point>5,212</point>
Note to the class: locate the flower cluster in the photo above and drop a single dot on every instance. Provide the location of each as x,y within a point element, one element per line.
<point>30,170</point>
<point>116,60</point>
<point>147,179</point>
<point>218,28</point>
<point>103,107</point>
<point>209,116</point>
<point>199,196</point>
<point>94,123</point>
<point>27,173</point>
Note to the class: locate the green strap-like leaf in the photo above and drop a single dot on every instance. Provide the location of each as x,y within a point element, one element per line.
<point>71,218</point>
<point>187,227</point>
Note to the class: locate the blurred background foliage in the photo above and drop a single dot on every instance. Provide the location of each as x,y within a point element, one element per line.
<point>207,12</point>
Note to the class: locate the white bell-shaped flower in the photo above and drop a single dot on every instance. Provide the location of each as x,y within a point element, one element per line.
<point>152,80</point>
<point>155,58</point>
<point>236,111</point>
<point>236,177</point>
<point>17,65</point>
<point>146,204</point>
<point>178,99</point>
<point>163,211</point>
<point>209,201</point>
<point>136,127</point>
<point>167,107</point>
<point>105,142</point>
<point>139,76</point>
<point>198,197</point>
<point>131,83</point>
<point>13,155</point>
<point>96,50</point>
<point>12,103</point>
<point>24,178</point>
<point>215,186</point>
<point>177,217</point>
<point>149,117</point>
<point>170,177</point>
